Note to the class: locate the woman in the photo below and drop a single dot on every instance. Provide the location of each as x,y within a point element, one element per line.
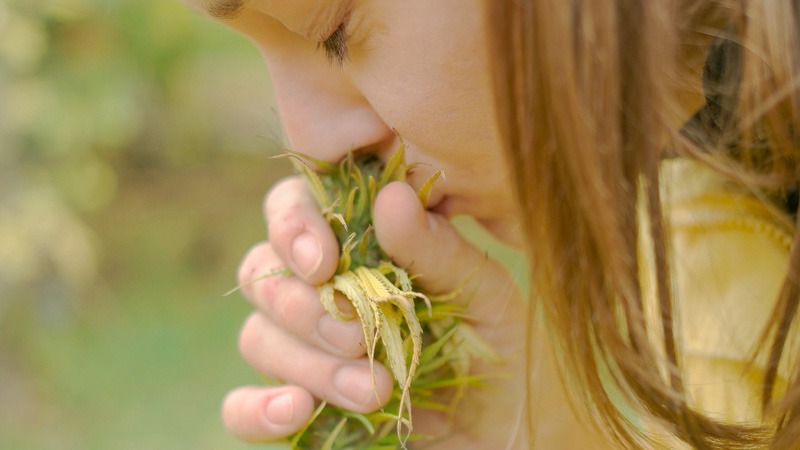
<point>553,121</point>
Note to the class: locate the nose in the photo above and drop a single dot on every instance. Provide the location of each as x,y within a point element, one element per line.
<point>323,113</point>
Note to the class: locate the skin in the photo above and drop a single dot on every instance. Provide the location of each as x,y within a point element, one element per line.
<point>417,69</point>
<point>439,100</point>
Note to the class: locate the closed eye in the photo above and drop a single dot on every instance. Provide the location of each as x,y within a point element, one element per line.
<point>335,46</point>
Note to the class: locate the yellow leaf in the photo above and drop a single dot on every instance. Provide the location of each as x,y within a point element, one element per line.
<point>323,165</point>
<point>406,307</point>
<point>327,298</point>
<point>403,281</point>
<point>349,205</point>
<point>348,285</point>
<point>361,208</point>
<point>320,194</point>
<point>372,284</point>
<point>395,167</point>
<point>426,189</point>
<point>393,342</point>
<point>345,259</point>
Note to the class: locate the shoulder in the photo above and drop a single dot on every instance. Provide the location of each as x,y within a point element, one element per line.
<point>730,252</point>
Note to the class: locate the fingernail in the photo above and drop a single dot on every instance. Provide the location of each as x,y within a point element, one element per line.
<point>355,383</point>
<point>306,254</point>
<point>280,410</point>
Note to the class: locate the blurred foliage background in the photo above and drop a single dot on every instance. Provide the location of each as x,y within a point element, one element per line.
<point>134,144</point>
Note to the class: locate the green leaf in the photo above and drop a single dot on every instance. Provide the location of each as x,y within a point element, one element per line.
<point>433,364</point>
<point>362,419</point>
<point>473,380</point>
<point>328,444</point>
<point>476,345</point>
<point>372,188</point>
<point>385,302</point>
<point>299,435</point>
<point>435,347</point>
<point>362,206</point>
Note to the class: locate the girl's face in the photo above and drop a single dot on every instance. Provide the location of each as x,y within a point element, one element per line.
<point>418,69</point>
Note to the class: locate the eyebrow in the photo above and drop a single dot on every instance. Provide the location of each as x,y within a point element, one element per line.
<point>224,9</point>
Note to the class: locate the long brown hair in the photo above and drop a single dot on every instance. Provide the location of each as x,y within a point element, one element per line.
<point>590,98</point>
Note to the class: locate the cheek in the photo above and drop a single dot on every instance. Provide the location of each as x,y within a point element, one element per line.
<point>426,74</point>
<point>439,100</point>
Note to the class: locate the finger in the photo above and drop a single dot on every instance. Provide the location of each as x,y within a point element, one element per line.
<point>299,233</point>
<point>429,246</point>
<point>259,414</point>
<point>347,383</point>
<point>294,305</point>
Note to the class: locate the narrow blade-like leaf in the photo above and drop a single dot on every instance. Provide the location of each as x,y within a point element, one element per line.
<point>426,189</point>
<point>395,167</point>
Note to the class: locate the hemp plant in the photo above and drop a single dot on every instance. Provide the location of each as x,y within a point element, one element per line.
<point>422,338</point>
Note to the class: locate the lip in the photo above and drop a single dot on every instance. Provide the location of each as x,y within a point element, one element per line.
<point>438,202</point>
<point>442,206</point>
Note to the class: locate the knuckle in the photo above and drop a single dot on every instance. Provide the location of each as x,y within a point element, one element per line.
<point>257,275</point>
<point>267,292</point>
<point>290,306</point>
<point>287,209</point>
<point>250,337</point>
<point>282,193</point>
<point>286,223</point>
<point>249,263</point>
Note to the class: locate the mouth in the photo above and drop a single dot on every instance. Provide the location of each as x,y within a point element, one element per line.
<point>439,202</point>
<point>442,205</point>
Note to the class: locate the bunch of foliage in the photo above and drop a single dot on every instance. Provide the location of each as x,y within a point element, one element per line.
<point>422,338</point>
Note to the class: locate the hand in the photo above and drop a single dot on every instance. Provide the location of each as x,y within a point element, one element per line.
<point>291,338</point>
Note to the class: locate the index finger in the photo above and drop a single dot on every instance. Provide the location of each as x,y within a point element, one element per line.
<point>299,233</point>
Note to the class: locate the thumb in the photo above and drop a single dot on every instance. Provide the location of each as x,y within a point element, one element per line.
<point>427,245</point>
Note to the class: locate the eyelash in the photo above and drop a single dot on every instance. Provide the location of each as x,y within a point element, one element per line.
<point>335,46</point>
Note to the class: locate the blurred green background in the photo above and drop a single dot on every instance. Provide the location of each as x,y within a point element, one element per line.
<point>134,145</point>
<point>135,138</point>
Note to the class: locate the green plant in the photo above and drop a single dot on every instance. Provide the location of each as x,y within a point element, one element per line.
<point>424,340</point>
